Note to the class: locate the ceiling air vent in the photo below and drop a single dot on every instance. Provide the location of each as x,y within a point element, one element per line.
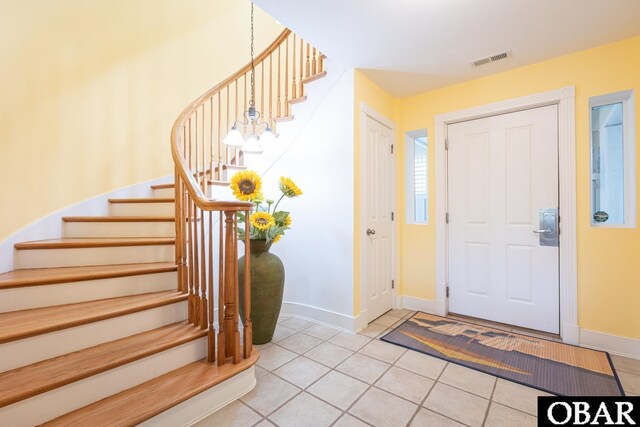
<point>491,58</point>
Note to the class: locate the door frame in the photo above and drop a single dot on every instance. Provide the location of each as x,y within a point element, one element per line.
<point>564,98</point>
<point>367,111</point>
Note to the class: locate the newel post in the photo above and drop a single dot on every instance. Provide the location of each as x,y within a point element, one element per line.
<point>248,327</point>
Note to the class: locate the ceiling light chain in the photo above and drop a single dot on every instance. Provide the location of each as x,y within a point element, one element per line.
<point>252,118</point>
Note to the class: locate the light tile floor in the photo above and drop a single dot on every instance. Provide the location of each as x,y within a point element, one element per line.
<point>316,376</point>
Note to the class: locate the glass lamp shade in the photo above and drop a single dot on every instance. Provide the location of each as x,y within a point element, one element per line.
<point>267,137</point>
<point>252,145</point>
<point>234,138</point>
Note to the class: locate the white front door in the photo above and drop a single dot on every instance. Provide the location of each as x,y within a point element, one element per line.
<point>502,170</point>
<point>377,204</point>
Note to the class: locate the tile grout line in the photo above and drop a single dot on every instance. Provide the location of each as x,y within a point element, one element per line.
<point>486,414</point>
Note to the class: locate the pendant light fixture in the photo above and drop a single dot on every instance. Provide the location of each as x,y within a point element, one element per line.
<point>253,120</point>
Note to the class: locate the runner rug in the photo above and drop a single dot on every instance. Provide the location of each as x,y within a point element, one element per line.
<point>557,368</point>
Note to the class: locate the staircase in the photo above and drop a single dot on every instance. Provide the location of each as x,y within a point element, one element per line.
<point>133,318</point>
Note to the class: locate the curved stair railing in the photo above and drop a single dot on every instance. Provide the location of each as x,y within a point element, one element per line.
<point>202,162</point>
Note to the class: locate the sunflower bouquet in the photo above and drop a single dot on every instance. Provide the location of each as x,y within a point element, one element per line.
<point>267,222</point>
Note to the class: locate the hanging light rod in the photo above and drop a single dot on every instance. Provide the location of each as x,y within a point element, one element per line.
<point>253,121</point>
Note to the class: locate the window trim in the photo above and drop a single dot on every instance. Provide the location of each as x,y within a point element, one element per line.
<point>409,162</point>
<point>628,131</point>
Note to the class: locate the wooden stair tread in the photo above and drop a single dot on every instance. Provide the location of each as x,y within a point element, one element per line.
<point>144,200</point>
<point>219,183</point>
<point>298,100</point>
<point>135,405</point>
<point>20,324</point>
<point>118,219</point>
<point>94,243</point>
<point>314,77</point>
<point>47,276</point>
<point>28,381</point>
<point>283,119</point>
<point>237,167</point>
<point>162,186</point>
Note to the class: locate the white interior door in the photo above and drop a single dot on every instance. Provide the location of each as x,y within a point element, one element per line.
<point>377,205</point>
<point>501,171</point>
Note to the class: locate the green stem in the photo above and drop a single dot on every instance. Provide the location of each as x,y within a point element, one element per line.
<point>275,208</point>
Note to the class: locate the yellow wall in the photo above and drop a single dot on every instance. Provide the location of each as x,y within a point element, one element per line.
<point>368,92</point>
<point>608,259</point>
<point>90,90</point>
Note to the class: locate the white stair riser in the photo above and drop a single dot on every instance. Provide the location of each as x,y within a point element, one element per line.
<point>24,352</point>
<point>57,402</point>
<point>164,193</point>
<point>51,258</point>
<point>142,209</point>
<point>206,403</point>
<point>88,290</point>
<point>118,229</point>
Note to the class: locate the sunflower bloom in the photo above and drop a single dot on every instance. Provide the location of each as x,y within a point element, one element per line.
<point>277,238</point>
<point>289,188</point>
<point>246,185</point>
<point>287,222</point>
<point>262,221</point>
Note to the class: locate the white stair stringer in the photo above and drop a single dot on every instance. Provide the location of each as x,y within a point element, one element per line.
<point>72,257</point>
<point>142,209</point>
<point>118,229</point>
<point>26,297</point>
<point>15,354</point>
<point>57,402</point>
<point>289,132</point>
<point>206,403</point>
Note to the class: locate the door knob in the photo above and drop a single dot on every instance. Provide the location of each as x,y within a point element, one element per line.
<point>548,230</point>
<point>370,232</point>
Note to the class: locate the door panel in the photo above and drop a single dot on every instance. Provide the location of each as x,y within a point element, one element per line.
<point>501,171</point>
<point>377,192</point>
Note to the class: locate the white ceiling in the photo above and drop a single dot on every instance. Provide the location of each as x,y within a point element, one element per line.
<point>411,46</point>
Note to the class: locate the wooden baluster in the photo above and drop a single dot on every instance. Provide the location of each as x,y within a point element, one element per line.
<point>226,147</point>
<point>211,335</point>
<point>191,299</point>
<point>203,275</point>
<point>278,107</point>
<point>301,91</point>
<point>219,144</point>
<point>294,87</point>
<point>248,326</point>
<point>286,78</point>
<point>236,290</point>
<point>196,267</point>
<point>308,63</point>
<point>211,144</point>
<point>203,182</point>
<point>320,62</point>
<point>222,353</point>
<point>195,148</point>
<point>314,63</point>
<point>179,232</point>
<point>271,90</point>
<point>264,117</point>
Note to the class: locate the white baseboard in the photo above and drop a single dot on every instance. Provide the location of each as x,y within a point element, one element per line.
<point>50,227</point>
<point>322,316</point>
<point>417,304</point>
<point>621,346</point>
<point>570,334</point>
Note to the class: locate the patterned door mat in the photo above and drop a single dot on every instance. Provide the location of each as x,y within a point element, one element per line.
<point>554,367</point>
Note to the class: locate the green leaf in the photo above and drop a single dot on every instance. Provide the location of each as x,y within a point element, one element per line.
<point>281,216</point>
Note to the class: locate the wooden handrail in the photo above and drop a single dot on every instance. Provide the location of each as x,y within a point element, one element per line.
<point>201,161</point>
